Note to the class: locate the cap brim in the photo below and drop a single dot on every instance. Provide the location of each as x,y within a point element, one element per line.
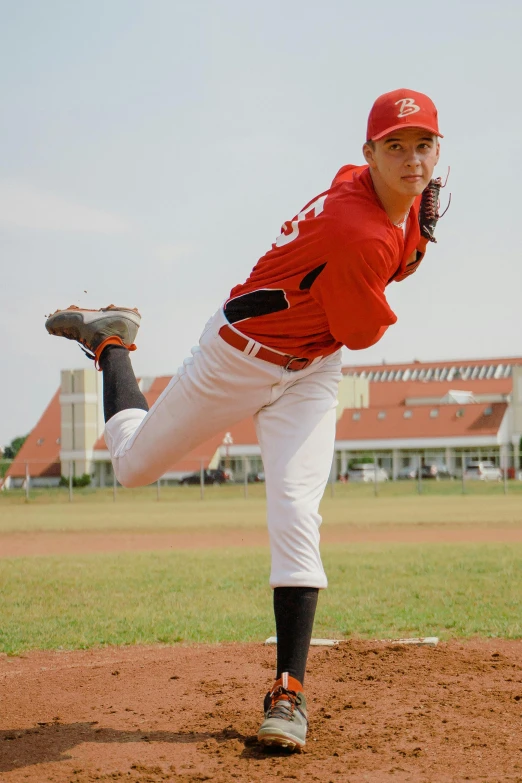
<point>406,125</point>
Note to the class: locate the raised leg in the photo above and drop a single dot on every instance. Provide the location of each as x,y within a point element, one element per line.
<point>120,387</point>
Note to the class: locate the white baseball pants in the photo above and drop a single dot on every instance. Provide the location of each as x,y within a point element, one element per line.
<point>294,414</point>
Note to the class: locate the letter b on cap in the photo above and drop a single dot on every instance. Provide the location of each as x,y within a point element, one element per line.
<point>408,106</point>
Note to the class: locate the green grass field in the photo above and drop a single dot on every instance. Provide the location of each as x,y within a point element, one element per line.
<point>178,494</point>
<point>376,590</point>
<point>222,595</point>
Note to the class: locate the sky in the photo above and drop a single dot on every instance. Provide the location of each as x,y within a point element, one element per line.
<point>151,151</point>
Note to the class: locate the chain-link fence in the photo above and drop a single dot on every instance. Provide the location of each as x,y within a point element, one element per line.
<point>70,479</point>
<point>379,473</point>
<point>421,472</point>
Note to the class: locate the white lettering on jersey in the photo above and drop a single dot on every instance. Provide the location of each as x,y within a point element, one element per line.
<point>408,106</point>
<point>316,207</point>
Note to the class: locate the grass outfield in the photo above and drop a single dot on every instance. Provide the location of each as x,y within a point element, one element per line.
<point>225,507</point>
<point>376,591</point>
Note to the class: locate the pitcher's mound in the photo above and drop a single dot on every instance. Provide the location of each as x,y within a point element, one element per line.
<point>186,714</point>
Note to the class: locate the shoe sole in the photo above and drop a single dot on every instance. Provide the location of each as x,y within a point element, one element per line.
<point>275,740</point>
<point>68,323</point>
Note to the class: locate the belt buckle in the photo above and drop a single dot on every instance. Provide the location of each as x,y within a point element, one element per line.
<point>296,359</point>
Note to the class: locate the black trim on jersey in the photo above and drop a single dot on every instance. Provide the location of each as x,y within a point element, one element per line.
<point>261,302</point>
<point>308,280</point>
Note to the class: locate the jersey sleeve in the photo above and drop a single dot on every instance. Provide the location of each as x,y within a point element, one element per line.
<point>350,289</point>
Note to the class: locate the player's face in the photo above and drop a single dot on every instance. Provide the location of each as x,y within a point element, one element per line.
<point>404,160</point>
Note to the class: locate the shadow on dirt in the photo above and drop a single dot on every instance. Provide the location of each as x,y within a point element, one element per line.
<point>48,742</point>
<point>253,750</point>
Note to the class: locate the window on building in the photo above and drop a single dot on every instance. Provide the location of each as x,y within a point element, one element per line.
<point>434,413</point>
<point>384,375</point>
<point>460,413</point>
<point>451,373</point>
<point>40,441</point>
<point>356,415</point>
<point>429,374</point>
<point>443,373</point>
<point>499,371</point>
<point>488,411</point>
<point>381,415</point>
<point>370,376</point>
<point>475,372</point>
<point>407,414</point>
<point>414,375</point>
<point>491,371</point>
<point>398,375</point>
<point>377,376</point>
<point>406,375</point>
<point>363,374</point>
<point>507,371</point>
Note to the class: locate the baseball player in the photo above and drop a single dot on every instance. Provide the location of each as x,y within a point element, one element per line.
<point>273,351</point>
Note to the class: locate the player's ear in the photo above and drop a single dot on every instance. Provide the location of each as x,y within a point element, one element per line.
<point>368,150</point>
<point>437,153</point>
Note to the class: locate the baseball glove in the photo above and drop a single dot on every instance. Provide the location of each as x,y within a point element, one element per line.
<point>429,209</point>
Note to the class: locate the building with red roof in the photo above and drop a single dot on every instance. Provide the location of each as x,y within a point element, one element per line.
<point>444,412</point>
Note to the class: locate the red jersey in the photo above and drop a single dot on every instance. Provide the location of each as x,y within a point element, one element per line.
<point>322,284</point>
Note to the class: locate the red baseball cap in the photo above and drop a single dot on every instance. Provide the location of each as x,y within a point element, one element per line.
<point>402,109</point>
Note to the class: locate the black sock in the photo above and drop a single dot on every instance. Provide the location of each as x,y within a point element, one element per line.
<point>120,387</point>
<point>294,609</point>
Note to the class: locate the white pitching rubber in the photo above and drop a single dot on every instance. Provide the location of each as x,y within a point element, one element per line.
<point>313,642</point>
<point>433,640</point>
<point>429,640</point>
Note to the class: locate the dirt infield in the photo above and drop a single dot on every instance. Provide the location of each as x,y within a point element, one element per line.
<point>187,714</point>
<point>27,544</point>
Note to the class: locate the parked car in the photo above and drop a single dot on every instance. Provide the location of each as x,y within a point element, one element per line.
<point>482,471</point>
<point>210,476</point>
<point>365,471</point>
<point>408,472</point>
<point>435,472</point>
<point>427,472</point>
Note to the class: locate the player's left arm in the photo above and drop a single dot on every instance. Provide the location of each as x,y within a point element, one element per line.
<point>428,215</point>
